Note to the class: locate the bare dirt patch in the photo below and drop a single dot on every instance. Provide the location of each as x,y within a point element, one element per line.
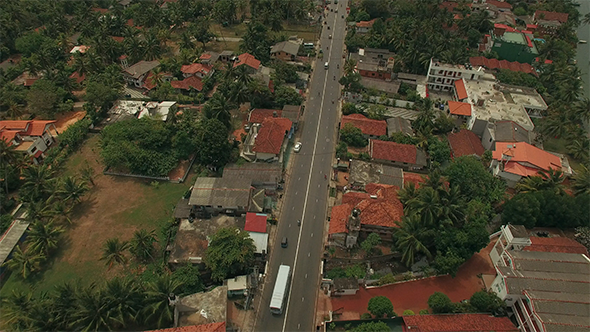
<point>67,119</point>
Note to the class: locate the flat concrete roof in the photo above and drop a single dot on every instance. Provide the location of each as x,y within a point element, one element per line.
<point>499,105</point>
<point>11,238</point>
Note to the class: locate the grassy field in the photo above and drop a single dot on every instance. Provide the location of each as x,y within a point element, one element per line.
<point>559,145</point>
<point>308,33</point>
<point>114,207</point>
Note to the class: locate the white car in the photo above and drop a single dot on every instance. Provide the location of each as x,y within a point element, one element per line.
<point>297,147</point>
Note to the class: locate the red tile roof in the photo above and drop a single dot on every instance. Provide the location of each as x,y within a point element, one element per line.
<point>211,327</point>
<point>499,4</point>
<point>391,151</point>
<point>460,88</point>
<point>414,178</point>
<point>34,128</point>
<point>367,126</point>
<point>188,83</point>
<point>37,127</point>
<point>459,323</point>
<point>502,64</point>
<point>255,222</point>
<point>271,135</point>
<point>531,26</point>
<point>118,39</point>
<point>365,24</point>
<point>353,198</point>
<point>100,10</point>
<point>258,115</point>
<point>556,244</point>
<point>505,27</point>
<point>459,108</point>
<point>129,22</point>
<point>339,218</point>
<point>521,152</point>
<point>551,16</point>
<point>247,59</point>
<point>194,68</point>
<point>465,143</point>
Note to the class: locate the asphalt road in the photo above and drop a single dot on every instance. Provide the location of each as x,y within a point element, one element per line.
<point>306,196</point>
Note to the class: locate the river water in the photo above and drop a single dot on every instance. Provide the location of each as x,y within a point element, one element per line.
<point>583,55</point>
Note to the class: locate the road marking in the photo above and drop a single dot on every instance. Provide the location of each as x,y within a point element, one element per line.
<point>317,131</point>
<point>302,299</point>
<point>293,208</point>
<point>298,326</point>
<point>306,276</point>
<point>299,179</point>
<point>295,193</point>
<point>311,234</point>
<point>308,255</point>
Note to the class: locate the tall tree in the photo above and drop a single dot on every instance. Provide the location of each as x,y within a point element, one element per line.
<point>158,309</point>
<point>72,189</point>
<point>581,181</point>
<point>37,182</point>
<point>142,245</point>
<point>409,238</point>
<point>113,251</point>
<point>43,237</point>
<point>25,262</point>
<point>230,252</point>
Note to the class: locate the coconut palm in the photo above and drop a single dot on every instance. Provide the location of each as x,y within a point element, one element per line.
<point>452,205</point>
<point>581,109</point>
<point>64,304</point>
<point>87,174</point>
<point>218,108</point>
<point>8,155</point>
<point>530,184</point>
<point>407,193</point>
<point>158,309</point>
<point>349,66</point>
<point>43,237</point>
<point>142,245</point>
<point>427,206</point>
<point>586,19</point>
<point>37,182</point>
<point>125,300</point>
<point>579,148</point>
<point>16,310</point>
<point>25,262</point>
<point>581,181</point>
<point>92,311</point>
<point>72,190</point>
<point>113,252</point>
<point>408,240</point>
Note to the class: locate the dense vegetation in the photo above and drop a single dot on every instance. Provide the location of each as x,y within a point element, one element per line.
<point>480,302</point>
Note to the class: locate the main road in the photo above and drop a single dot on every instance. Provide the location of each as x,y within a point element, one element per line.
<point>306,197</point>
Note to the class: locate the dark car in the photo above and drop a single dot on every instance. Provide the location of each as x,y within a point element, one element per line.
<point>284,242</point>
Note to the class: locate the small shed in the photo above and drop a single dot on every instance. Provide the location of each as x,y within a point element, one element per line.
<point>345,286</point>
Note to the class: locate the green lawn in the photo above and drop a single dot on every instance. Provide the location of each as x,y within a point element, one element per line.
<point>308,33</point>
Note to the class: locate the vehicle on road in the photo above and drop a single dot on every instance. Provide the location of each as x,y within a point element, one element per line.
<point>298,222</point>
<point>284,243</point>
<point>330,37</point>
<point>297,147</point>
<point>279,294</point>
<point>326,65</point>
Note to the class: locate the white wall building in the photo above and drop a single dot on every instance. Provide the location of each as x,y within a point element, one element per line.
<point>441,76</point>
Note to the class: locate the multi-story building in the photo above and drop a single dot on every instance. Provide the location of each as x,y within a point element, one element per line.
<point>543,280</point>
<point>514,45</point>
<point>32,137</point>
<point>442,76</point>
<point>374,63</point>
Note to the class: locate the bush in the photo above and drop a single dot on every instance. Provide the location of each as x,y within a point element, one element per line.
<point>190,276</point>
<point>353,136</point>
<point>408,313</point>
<point>342,150</point>
<point>366,315</point>
<point>487,302</point>
<point>424,312</point>
<point>380,306</point>
<point>387,279</point>
<point>440,303</point>
<point>349,108</point>
<point>356,271</point>
<point>74,135</point>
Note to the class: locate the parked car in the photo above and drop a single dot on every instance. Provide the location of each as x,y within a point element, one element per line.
<point>297,147</point>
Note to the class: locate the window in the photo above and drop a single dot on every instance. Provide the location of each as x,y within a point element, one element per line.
<point>34,149</point>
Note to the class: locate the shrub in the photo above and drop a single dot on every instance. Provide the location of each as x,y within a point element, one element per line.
<point>424,312</point>
<point>387,279</point>
<point>380,306</point>
<point>366,315</point>
<point>408,313</point>
<point>440,303</point>
<point>72,137</point>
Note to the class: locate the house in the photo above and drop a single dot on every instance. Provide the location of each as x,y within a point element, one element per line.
<point>196,69</point>
<point>237,286</point>
<point>201,308</point>
<point>513,45</point>
<point>248,60</point>
<point>261,175</point>
<point>79,49</point>
<point>345,286</point>
<point>258,115</point>
<point>32,137</point>
<point>390,88</point>
<point>124,3</point>
<point>494,64</point>
<point>226,56</point>
<point>378,210</point>
<point>465,143</point>
<point>459,110</point>
<point>513,161</point>
<point>139,109</point>
<point>505,131</point>
<point>374,63</point>
<point>406,156</point>
<point>362,173</point>
<point>211,327</point>
<point>256,227</point>
<point>442,76</point>
<point>27,79</point>
<point>136,74</point>
<point>364,26</point>
<point>268,141</point>
<point>399,125</point>
<point>77,77</point>
<point>188,84</point>
<point>544,281</point>
<point>369,127</point>
<point>211,196</point>
<point>548,22</point>
<point>457,323</point>
<point>209,58</point>
<point>491,101</point>
<point>293,113</point>
<point>285,50</point>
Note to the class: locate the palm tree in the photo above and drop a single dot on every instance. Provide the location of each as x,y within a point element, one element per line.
<point>64,303</point>
<point>581,109</point>
<point>16,310</point>
<point>72,190</point>
<point>113,252</point>
<point>407,240</point>
<point>37,181</point>
<point>452,205</point>
<point>530,184</point>
<point>427,206</point>
<point>142,244</point>
<point>25,262</point>
<point>152,46</point>
<point>8,155</point>
<point>579,148</point>
<point>581,181</point>
<point>218,108</point>
<point>553,179</point>
<point>407,193</point>
<point>43,237</point>
<point>125,300</point>
<point>586,19</point>
<point>92,311</point>
<point>158,308</point>
<point>349,66</point>
<point>87,174</point>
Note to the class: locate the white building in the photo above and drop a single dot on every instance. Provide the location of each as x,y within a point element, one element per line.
<point>140,109</point>
<point>543,280</point>
<point>442,76</point>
